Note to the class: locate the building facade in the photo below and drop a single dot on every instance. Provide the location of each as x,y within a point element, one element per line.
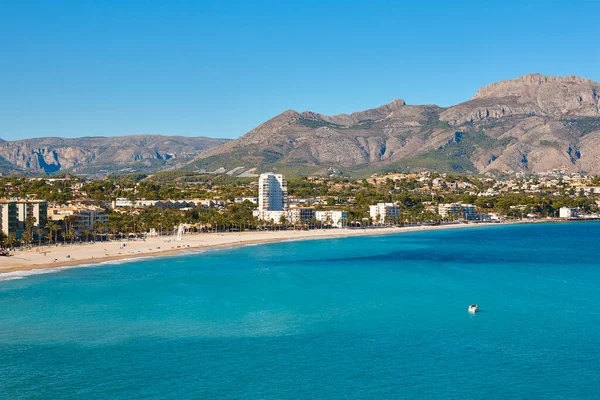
<point>459,210</point>
<point>85,217</point>
<point>568,213</point>
<point>270,216</point>
<point>122,202</point>
<point>9,217</point>
<point>15,213</point>
<point>37,209</point>
<point>272,192</point>
<point>382,213</point>
<point>338,219</point>
<point>301,215</point>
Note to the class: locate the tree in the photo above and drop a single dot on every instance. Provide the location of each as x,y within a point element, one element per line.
<point>29,225</point>
<point>68,221</point>
<point>53,228</point>
<point>26,238</point>
<point>98,227</point>
<point>71,234</point>
<point>8,241</point>
<point>283,220</point>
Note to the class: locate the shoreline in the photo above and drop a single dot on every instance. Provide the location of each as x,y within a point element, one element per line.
<point>54,257</point>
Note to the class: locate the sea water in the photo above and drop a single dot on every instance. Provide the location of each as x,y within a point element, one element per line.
<point>380,317</point>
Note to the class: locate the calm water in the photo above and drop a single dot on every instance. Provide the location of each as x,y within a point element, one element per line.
<point>375,317</point>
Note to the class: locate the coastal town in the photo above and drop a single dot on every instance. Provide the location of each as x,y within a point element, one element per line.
<point>67,209</point>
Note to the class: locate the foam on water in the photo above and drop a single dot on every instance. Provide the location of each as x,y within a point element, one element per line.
<point>8,276</point>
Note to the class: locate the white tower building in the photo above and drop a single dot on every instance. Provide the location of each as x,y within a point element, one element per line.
<point>272,192</point>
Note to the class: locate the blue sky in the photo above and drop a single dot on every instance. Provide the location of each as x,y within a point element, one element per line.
<point>219,68</point>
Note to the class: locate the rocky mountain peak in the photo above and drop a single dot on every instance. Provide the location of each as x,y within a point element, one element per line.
<point>532,94</point>
<point>532,85</point>
<point>392,105</point>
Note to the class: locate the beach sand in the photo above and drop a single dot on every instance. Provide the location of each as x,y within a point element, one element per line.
<point>91,253</point>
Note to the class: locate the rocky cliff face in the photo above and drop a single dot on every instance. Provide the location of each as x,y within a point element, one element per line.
<point>529,124</point>
<point>101,154</point>
<point>533,94</point>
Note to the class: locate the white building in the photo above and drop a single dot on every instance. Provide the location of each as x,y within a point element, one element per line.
<point>122,202</point>
<point>243,199</point>
<point>468,211</point>
<point>494,217</point>
<point>270,216</point>
<point>568,213</point>
<point>381,213</point>
<point>272,192</point>
<point>334,218</point>
<point>449,209</point>
<point>300,214</point>
<point>178,204</point>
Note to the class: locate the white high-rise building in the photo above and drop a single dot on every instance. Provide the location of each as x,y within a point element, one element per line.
<point>272,192</point>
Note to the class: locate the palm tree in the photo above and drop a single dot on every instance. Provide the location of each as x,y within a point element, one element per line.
<point>8,241</point>
<point>98,227</point>
<point>29,225</point>
<point>52,228</point>
<point>26,237</point>
<point>71,234</point>
<point>55,228</point>
<point>68,220</point>
<point>283,220</point>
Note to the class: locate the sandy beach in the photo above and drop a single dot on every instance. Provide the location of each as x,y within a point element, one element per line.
<point>91,253</point>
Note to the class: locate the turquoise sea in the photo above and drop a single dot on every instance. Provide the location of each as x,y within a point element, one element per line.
<point>380,317</point>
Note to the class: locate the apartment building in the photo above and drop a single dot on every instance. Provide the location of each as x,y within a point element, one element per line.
<point>86,217</point>
<point>9,217</point>
<point>459,210</point>
<point>381,213</point>
<point>334,218</point>
<point>272,192</point>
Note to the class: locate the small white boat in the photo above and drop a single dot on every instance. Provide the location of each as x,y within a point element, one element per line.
<point>473,308</point>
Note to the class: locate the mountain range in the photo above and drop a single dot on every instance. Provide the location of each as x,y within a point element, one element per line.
<point>530,124</point>
<point>533,124</point>
<point>101,155</point>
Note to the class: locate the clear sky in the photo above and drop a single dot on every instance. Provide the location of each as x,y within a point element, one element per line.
<point>219,68</point>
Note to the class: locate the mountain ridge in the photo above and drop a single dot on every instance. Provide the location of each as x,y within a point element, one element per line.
<point>532,123</point>
<point>100,154</point>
